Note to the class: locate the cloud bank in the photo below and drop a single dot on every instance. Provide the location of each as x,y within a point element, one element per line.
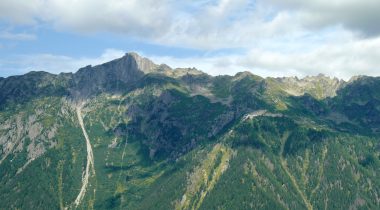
<point>274,37</point>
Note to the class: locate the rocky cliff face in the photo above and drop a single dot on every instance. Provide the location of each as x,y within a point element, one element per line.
<point>115,75</point>
<point>319,86</point>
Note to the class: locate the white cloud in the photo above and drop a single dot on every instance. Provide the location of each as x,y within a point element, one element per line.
<point>136,17</point>
<point>357,15</point>
<point>337,60</point>
<point>210,24</point>
<point>340,60</point>
<point>207,25</point>
<point>20,12</point>
<point>281,37</point>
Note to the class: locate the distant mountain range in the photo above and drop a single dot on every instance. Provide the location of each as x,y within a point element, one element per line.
<point>131,134</point>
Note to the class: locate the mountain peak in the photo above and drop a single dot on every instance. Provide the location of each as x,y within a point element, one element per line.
<point>143,64</point>
<point>112,76</point>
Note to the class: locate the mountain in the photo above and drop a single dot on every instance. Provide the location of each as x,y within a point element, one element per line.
<point>131,134</point>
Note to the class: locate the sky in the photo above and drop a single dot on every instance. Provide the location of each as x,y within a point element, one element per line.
<point>338,38</point>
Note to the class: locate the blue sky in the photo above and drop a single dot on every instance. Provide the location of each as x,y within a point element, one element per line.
<point>339,38</point>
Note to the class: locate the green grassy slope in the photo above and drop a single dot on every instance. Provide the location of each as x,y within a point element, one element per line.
<point>238,142</point>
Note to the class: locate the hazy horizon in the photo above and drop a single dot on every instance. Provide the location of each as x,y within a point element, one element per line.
<point>174,68</point>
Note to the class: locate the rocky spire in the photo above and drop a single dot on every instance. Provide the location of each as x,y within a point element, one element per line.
<point>114,75</point>
<point>143,64</point>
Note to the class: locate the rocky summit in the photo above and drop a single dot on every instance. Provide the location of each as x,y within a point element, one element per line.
<point>131,134</point>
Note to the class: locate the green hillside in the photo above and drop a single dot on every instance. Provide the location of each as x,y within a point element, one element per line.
<point>159,138</point>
